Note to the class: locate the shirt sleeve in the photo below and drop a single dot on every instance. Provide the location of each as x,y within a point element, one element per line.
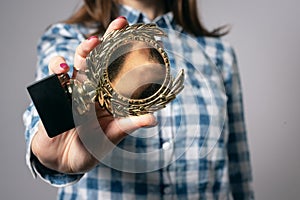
<point>240,173</point>
<point>58,40</point>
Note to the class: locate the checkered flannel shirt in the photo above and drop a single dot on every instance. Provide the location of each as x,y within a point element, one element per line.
<point>204,127</point>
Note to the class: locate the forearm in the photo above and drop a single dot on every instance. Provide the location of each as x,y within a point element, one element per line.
<point>31,121</point>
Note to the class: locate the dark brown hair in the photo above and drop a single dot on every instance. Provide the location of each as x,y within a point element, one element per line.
<point>185,14</point>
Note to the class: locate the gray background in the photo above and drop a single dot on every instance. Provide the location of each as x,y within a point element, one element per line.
<point>265,34</point>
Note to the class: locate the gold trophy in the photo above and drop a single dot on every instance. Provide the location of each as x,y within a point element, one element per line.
<point>128,73</point>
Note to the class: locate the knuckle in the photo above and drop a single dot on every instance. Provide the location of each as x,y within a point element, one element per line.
<point>81,50</point>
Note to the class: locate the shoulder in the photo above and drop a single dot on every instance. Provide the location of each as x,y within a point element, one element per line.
<point>61,37</point>
<point>220,51</point>
<point>63,30</point>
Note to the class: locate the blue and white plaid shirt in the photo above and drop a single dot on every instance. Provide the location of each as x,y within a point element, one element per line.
<point>199,149</point>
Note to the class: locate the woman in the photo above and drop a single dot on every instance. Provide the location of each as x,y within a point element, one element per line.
<point>206,166</point>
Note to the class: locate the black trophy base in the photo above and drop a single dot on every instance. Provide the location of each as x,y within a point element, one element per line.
<point>53,105</point>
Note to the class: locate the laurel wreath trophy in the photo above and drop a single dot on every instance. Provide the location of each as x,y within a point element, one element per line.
<point>97,86</point>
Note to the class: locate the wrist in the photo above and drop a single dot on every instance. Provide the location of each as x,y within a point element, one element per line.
<point>41,151</point>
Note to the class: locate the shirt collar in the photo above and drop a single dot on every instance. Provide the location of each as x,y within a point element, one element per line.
<point>135,16</point>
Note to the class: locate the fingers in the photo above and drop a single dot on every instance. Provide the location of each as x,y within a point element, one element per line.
<point>83,50</point>
<point>58,65</point>
<point>134,122</point>
<point>121,127</point>
<point>116,24</point>
<point>88,45</point>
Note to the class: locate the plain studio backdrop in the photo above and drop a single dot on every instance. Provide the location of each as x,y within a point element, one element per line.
<point>265,35</point>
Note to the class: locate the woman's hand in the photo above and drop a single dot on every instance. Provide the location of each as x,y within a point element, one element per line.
<point>66,153</point>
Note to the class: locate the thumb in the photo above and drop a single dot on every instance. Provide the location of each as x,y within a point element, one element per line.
<point>99,143</point>
<point>132,123</point>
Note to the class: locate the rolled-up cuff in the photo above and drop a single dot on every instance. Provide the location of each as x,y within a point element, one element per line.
<point>50,176</point>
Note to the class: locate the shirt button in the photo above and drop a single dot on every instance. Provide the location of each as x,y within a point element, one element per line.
<point>161,23</point>
<point>167,190</point>
<point>167,145</point>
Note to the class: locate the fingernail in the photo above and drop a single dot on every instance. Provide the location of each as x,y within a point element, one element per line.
<point>64,65</point>
<point>154,121</point>
<point>92,37</point>
<point>121,17</point>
